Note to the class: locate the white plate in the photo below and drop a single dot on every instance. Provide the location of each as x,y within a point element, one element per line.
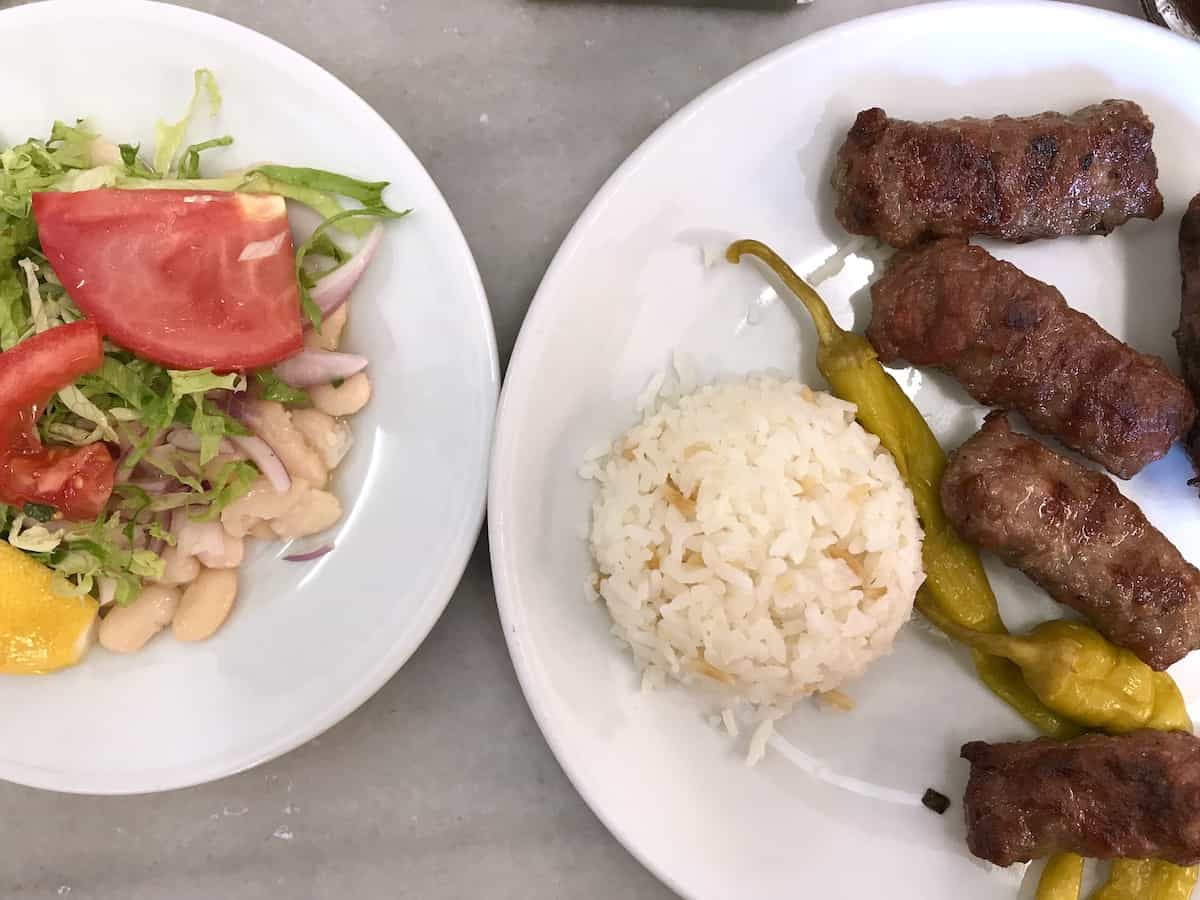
<point>307,642</point>
<point>752,158</point>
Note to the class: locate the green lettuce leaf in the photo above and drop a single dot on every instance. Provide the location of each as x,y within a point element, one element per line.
<point>134,166</point>
<point>14,313</point>
<point>168,136</point>
<point>211,426</point>
<point>255,181</point>
<point>203,380</point>
<point>271,388</point>
<point>97,552</point>
<point>29,534</point>
<point>308,307</point>
<point>190,165</point>
<point>38,165</point>
<point>90,179</point>
<point>323,245</point>
<point>368,193</point>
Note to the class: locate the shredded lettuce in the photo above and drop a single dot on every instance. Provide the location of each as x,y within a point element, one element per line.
<point>129,401</point>
<point>253,181</point>
<point>27,533</point>
<point>190,166</point>
<point>134,166</point>
<point>368,193</point>
<point>231,483</point>
<point>271,388</point>
<point>90,179</point>
<point>13,318</point>
<point>307,305</point>
<point>63,433</point>
<point>37,165</point>
<point>78,403</point>
<point>168,137</point>
<point>323,245</point>
<point>208,491</point>
<point>203,380</point>
<point>37,310</point>
<point>83,554</point>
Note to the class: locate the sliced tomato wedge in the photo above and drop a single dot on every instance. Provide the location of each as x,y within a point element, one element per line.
<point>32,371</point>
<point>186,279</point>
<point>77,481</point>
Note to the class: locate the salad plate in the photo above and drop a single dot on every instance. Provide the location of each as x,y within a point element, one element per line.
<point>312,638</point>
<point>834,809</point>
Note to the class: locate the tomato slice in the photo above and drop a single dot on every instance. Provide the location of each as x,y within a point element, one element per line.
<point>77,481</point>
<point>186,279</point>
<point>32,371</point>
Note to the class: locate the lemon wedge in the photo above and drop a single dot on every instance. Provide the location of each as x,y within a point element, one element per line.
<point>40,631</point>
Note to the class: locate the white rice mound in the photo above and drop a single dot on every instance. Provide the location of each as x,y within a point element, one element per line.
<point>752,537</point>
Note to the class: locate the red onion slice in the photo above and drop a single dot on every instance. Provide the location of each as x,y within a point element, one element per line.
<point>309,368</point>
<point>333,290</point>
<point>186,439</point>
<point>309,555</point>
<point>264,457</point>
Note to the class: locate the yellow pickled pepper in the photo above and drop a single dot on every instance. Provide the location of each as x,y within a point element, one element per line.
<point>1063,675</point>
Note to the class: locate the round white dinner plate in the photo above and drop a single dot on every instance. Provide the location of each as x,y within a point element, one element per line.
<point>837,815</point>
<point>308,642</point>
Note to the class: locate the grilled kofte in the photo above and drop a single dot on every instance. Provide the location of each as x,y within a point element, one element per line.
<point>1187,338</point>
<point>1020,179</point>
<point>1070,530</point>
<point>1135,796</point>
<point>1014,343</point>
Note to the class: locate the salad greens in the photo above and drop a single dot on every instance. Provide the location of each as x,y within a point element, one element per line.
<point>130,403</point>
<point>271,388</point>
<point>168,137</point>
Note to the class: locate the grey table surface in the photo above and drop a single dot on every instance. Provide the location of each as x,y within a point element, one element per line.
<point>441,786</point>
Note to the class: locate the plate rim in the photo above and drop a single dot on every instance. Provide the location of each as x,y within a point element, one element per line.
<point>504,577</point>
<point>151,13</point>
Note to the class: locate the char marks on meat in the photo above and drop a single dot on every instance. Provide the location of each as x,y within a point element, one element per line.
<point>1014,343</point>
<point>1020,179</point>
<point>1070,530</point>
<point>1187,338</point>
<point>1135,796</point>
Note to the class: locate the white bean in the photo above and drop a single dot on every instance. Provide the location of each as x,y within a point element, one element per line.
<point>194,538</point>
<point>329,335</point>
<point>205,605</point>
<point>263,532</point>
<point>345,400</point>
<point>330,437</point>
<point>179,568</point>
<point>316,511</point>
<point>274,425</point>
<point>261,503</point>
<point>127,629</point>
<point>229,557</point>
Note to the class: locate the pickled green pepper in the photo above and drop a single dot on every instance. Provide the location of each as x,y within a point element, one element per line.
<point>956,585</point>
<point>1063,677</point>
<point>1078,674</point>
